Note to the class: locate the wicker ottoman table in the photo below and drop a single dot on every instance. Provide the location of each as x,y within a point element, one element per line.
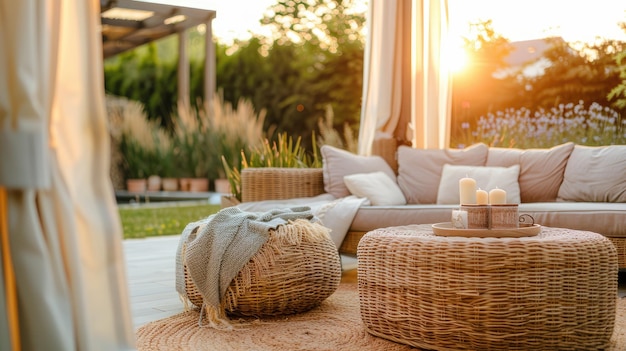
<point>553,291</point>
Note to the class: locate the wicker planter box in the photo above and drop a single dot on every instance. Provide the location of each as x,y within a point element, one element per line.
<point>274,183</point>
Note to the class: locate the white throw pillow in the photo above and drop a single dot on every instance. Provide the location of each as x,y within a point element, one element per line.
<point>487,178</point>
<point>376,187</point>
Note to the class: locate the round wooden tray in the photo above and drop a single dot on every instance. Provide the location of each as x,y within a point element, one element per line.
<point>446,229</point>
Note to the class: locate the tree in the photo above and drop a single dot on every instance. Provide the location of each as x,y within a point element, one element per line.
<point>141,76</point>
<point>315,57</point>
<point>327,24</point>
<point>618,93</point>
<point>586,74</point>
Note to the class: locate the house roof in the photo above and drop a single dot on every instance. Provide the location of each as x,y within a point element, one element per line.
<point>127,24</point>
<point>527,51</point>
<point>527,57</point>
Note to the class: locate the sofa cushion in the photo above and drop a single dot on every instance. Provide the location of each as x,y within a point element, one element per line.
<point>376,187</point>
<point>595,174</point>
<point>369,218</point>
<point>419,170</point>
<point>599,217</point>
<point>487,178</point>
<point>541,170</point>
<point>338,163</point>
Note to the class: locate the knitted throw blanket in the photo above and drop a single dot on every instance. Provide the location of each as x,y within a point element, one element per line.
<point>217,248</point>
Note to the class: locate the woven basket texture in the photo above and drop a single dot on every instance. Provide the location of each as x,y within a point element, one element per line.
<point>274,183</point>
<point>620,245</point>
<point>554,291</point>
<point>288,275</point>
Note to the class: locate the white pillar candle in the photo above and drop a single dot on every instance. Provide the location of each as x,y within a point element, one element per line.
<point>459,219</point>
<point>467,191</point>
<point>497,197</point>
<point>482,197</point>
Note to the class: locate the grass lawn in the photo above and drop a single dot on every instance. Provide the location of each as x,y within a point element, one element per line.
<point>145,221</point>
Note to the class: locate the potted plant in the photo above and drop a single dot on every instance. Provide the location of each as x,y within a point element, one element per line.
<point>165,160</point>
<point>155,145</point>
<point>231,130</point>
<point>201,139</point>
<point>142,143</point>
<point>134,164</point>
<point>283,153</point>
<point>170,171</point>
<point>190,151</point>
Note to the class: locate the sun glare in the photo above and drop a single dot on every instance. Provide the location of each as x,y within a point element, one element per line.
<point>456,58</point>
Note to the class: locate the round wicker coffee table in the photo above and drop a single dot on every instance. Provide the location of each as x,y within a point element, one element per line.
<point>553,291</point>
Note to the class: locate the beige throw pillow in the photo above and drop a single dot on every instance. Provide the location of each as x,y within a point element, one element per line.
<point>595,174</point>
<point>419,170</point>
<point>487,178</point>
<point>338,163</point>
<point>541,170</point>
<point>376,187</point>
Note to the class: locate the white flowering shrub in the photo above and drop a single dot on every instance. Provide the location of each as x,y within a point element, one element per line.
<point>523,128</point>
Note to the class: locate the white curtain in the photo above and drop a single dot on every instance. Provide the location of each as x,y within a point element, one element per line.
<point>60,219</point>
<point>406,85</point>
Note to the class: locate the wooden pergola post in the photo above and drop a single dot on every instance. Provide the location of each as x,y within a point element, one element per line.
<point>183,73</point>
<point>209,67</point>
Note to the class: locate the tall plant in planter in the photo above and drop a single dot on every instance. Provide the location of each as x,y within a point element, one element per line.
<point>170,172</point>
<point>284,152</point>
<point>115,107</point>
<point>189,151</point>
<point>232,129</point>
<point>142,143</point>
<point>201,139</point>
<point>158,156</point>
<point>141,148</point>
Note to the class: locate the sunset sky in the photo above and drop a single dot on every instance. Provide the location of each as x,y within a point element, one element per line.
<point>535,19</point>
<point>516,20</point>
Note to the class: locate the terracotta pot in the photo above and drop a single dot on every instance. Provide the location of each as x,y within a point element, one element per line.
<point>222,186</point>
<point>136,185</point>
<point>198,184</point>
<point>154,183</point>
<point>184,184</point>
<point>169,184</point>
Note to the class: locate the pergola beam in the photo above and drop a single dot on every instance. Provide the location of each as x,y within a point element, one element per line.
<point>125,33</point>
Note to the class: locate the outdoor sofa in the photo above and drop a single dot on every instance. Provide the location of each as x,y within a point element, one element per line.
<point>567,186</point>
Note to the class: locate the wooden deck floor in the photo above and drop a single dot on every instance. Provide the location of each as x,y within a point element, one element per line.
<point>151,276</point>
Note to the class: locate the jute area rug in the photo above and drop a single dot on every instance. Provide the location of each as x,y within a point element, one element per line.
<point>334,325</point>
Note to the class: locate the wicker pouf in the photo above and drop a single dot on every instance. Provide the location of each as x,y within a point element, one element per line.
<point>291,273</point>
<point>553,291</point>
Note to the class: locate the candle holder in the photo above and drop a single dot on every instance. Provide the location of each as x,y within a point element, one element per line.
<point>504,216</point>
<point>459,219</point>
<point>477,216</point>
